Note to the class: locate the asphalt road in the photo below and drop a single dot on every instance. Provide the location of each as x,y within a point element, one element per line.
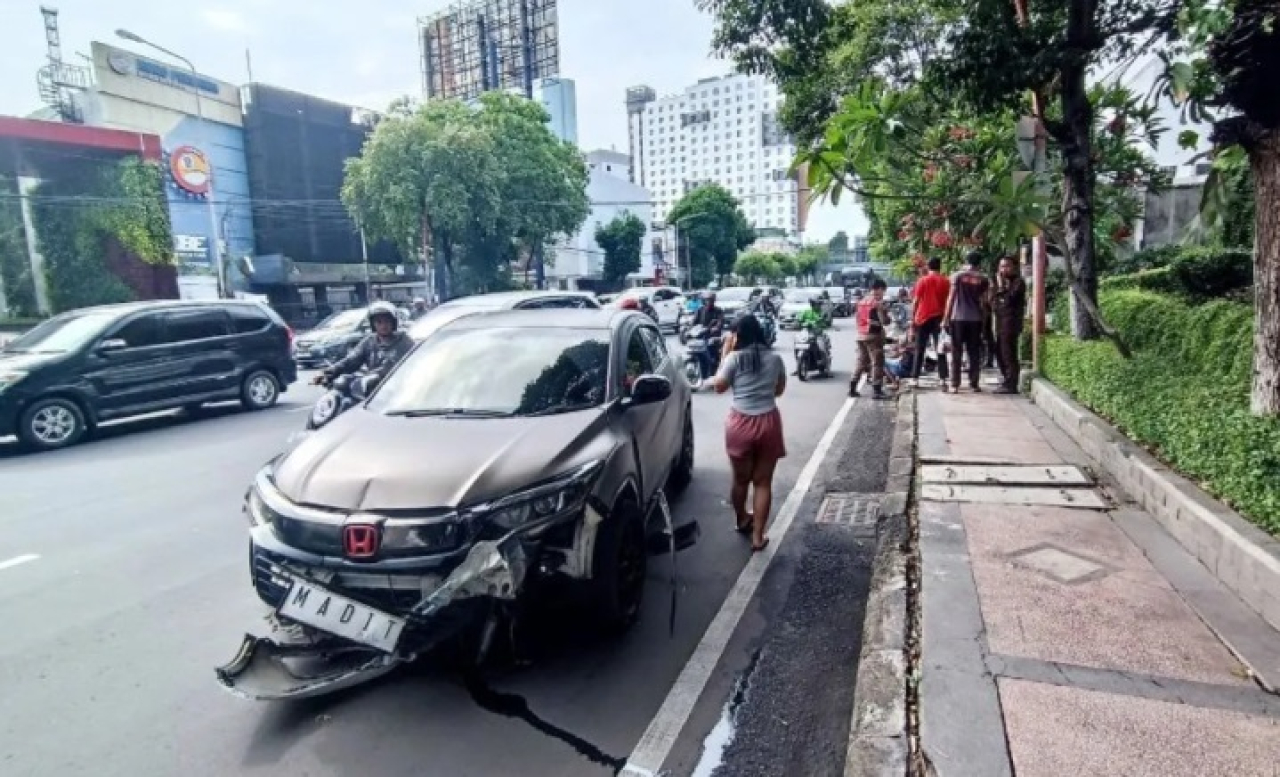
<point>140,587</point>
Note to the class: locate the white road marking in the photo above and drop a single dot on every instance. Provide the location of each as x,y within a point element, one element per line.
<point>658,739</point>
<point>16,560</point>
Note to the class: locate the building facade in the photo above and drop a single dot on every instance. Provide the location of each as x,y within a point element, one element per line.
<point>310,254</point>
<point>719,130</point>
<point>477,46</point>
<point>203,159</point>
<point>579,260</point>
<point>614,163</point>
<point>559,98</point>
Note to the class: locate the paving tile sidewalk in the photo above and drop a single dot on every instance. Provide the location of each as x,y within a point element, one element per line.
<point>1052,644</point>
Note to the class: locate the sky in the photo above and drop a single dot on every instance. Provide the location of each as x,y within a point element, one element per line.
<point>365,52</point>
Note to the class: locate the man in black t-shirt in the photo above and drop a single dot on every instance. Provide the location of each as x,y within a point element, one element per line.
<point>966,313</point>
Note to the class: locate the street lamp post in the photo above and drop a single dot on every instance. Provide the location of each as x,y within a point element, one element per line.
<point>688,279</point>
<point>218,264</point>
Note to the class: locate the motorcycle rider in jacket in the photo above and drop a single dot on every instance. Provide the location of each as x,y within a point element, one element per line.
<point>378,352</point>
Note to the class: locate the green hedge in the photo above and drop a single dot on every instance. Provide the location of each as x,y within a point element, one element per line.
<point>1184,395</point>
<point>1197,273</point>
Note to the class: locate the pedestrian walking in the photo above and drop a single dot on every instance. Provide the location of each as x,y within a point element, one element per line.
<point>872,316</point>
<point>753,432</point>
<point>964,318</point>
<point>930,296</point>
<point>1009,299</point>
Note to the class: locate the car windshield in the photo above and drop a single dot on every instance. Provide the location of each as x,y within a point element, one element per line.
<point>500,372</point>
<point>347,319</point>
<point>63,333</point>
<point>798,295</point>
<point>733,295</point>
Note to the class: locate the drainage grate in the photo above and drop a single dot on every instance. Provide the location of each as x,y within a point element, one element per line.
<point>848,509</point>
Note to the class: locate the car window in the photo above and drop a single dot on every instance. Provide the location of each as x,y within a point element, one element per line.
<point>201,324</point>
<point>656,345</point>
<point>662,295</point>
<point>638,360</point>
<point>63,333</point>
<point>140,332</point>
<point>245,318</point>
<point>499,371</point>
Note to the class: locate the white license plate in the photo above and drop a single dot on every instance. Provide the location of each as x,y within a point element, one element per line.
<point>310,604</point>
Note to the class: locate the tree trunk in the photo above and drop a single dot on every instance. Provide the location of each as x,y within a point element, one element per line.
<point>1074,134</point>
<point>1264,157</point>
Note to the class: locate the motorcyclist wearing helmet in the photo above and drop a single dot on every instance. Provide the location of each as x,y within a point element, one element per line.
<point>419,309</point>
<point>379,351</point>
<point>814,318</point>
<point>709,315</point>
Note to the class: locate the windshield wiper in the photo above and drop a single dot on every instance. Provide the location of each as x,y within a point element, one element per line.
<point>556,409</point>
<point>468,412</point>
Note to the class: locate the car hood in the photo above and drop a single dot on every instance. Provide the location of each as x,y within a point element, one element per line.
<point>794,308</point>
<point>13,361</point>
<point>367,461</point>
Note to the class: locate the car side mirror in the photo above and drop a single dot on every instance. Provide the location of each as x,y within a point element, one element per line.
<point>648,390</point>
<point>113,344</point>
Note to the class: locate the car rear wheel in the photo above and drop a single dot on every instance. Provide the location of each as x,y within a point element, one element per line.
<point>259,391</point>
<point>52,423</point>
<point>621,562</point>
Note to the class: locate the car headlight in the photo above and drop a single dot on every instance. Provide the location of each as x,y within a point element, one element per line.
<point>10,378</point>
<point>260,513</point>
<point>564,494</point>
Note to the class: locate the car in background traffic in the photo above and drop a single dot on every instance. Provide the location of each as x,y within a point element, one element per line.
<point>502,300</point>
<point>841,307</point>
<point>794,302</point>
<point>667,303</point>
<point>80,368</point>
<point>335,336</point>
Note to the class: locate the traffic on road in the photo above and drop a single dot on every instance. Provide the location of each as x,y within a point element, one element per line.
<point>517,533</point>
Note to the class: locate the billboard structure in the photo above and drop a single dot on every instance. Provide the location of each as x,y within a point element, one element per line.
<point>479,46</point>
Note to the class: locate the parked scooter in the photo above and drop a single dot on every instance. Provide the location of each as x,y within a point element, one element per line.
<point>343,392</point>
<point>702,354</point>
<point>812,352</point>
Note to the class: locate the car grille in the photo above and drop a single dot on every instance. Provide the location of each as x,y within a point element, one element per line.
<point>272,584</point>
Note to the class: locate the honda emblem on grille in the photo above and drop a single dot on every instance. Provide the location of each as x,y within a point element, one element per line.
<point>360,540</point>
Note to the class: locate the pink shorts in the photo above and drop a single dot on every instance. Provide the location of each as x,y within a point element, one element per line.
<point>749,436</point>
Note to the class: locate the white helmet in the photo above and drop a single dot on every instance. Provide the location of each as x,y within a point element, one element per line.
<point>382,308</point>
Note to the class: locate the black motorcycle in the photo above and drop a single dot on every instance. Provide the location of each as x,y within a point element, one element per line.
<point>343,392</point>
<point>702,354</point>
<point>812,352</point>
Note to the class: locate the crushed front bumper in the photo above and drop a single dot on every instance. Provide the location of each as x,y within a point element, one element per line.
<point>433,606</point>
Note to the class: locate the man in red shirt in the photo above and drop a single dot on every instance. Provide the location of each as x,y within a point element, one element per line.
<point>930,296</point>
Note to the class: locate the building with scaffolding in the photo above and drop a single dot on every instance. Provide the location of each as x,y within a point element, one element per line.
<point>478,46</point>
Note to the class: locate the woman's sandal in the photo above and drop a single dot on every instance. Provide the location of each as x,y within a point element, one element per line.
<point>757,548</point>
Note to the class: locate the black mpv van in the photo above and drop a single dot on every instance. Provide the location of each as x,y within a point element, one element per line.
<point>96,364</point>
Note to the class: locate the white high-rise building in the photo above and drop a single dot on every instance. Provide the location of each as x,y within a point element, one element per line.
<point>722,130</point>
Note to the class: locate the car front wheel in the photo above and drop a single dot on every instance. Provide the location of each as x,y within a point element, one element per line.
<point>52,423</point>
<point>682,470</point>
<point>618,574</point>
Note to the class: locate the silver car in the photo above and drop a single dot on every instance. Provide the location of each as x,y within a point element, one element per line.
<point>505,448</point>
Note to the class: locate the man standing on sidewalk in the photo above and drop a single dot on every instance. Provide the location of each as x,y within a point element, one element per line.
<point>930,295</point>
<point>872,316</point>
<point>1010,303</point>
<point>964,316</point>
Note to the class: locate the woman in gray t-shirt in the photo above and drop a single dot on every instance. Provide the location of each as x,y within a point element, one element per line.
<point>753,431</point>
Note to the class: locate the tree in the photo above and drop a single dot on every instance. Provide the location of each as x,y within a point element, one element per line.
<point>1230,55</point>
<point>473,189</point>
<point>756,267</point>
<point>838,246</point>
<point>811,258</point>
<point>622,240</point>
<point>713,229</point>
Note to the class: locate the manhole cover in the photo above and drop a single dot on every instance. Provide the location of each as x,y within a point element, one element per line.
<point>1059,564</point>
<point>846,509</point>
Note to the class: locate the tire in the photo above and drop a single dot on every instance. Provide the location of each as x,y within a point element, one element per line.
<point>682,471</point>
<point>49,424</point>
<point>259,391</point>
<point>620,564</point>
<point>802,367</point>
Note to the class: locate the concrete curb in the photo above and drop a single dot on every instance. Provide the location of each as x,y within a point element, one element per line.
<point>1243,557</point>
<point>878,745</point>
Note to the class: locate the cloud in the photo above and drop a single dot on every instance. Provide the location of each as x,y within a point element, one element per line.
<point>224,19</point>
